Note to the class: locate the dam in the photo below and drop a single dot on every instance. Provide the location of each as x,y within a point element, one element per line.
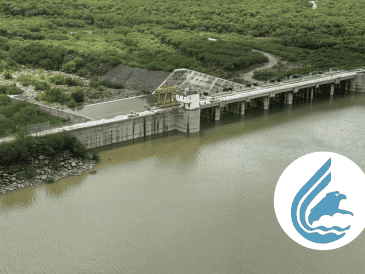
<point>202,96</point>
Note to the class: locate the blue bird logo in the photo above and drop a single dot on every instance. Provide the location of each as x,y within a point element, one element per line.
<point>329,205</point>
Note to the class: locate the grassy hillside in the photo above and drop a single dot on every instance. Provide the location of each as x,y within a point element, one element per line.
<point>160,36</point>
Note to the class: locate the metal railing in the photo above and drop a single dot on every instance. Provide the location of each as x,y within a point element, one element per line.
<point>286,85</point>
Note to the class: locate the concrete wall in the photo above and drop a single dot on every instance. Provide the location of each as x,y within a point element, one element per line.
<point>128,129</point>
<point>188,120</point>
<point>358,84</point>
<point>57,112</point>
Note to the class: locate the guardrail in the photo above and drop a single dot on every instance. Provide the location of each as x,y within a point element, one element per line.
<point>286,85</point>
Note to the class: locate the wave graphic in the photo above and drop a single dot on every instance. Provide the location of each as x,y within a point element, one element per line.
<point>308,232</point>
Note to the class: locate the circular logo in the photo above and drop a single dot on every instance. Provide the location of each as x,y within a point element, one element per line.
<point>320,200</point>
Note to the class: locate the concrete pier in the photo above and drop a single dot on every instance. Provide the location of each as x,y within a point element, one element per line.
<point>243,105</point>
<point>217,113</point>
<point>289,98</point>
<point>266,102</point>
<point>332,89</point>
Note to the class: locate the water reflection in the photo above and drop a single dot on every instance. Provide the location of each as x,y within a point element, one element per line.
<point>179,203</point>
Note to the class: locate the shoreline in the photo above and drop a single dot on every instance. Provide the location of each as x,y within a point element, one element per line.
<point>14,179</point>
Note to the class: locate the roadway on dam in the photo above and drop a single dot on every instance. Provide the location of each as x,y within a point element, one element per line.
<point>115,108</point>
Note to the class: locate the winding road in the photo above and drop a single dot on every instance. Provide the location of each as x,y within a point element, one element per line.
<point>272,62</point>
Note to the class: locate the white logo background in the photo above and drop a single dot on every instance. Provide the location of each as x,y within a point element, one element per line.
<point>346,177</point>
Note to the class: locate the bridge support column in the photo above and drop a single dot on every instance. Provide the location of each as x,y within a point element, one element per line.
<point>243,105</point>
<point>332,89</point>
<point>311,93</point>
<point>353,85</point>
<point>217,113</point>
<point>289,98</point>
<point>266,102</point>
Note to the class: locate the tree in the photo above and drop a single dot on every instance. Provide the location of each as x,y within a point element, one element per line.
<point>78,95</point>
<point>72,103</point>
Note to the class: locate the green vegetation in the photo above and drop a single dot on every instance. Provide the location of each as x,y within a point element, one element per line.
<point>72,104</point>
<point>15,117</point>
<point>24,148</point>
<point>55,95</point>
<point>57,79</point>
<point>11,89</point>
<point>159,36</point>
<point>156,35</point>
<point>40,85</point>
<point>25,80</point>
<point>72,82</point>
<point>78,95</point>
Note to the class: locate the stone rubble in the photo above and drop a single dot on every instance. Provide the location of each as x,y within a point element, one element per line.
<point>13,179</point>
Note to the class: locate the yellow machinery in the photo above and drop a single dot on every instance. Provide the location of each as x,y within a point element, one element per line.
<point>167,96</point>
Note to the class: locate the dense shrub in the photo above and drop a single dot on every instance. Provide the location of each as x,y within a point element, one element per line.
<point>11,89</point>
<point>82,72</point>
<point>96,82</point>
<point>72,103</point>
<point>41,85</point>
<point>72,82</point>
<point>3,89</point>
<point>23,149</point>
<point>21,114</point>
<point>8,74</point>
<point>69,67</point>
<point>46,63</point>
<point>58,79</point>
<point>79,62</point>
<point>55,95</point>
<point>78,95</point>
<point>4,100</point>
<point>25,80</point>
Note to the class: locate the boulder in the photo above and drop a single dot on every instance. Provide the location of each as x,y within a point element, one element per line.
<point>38,171</point>
<point>46,162</point>
<point>41,157</point>
<point>62,163</point>
<point>43,177</point>
<point>73,163</point>
<point>13,179</point>
<point>36,162</point>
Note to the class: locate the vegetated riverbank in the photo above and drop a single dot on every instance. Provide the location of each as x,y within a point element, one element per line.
<point>15,177</point>
<point>29,161</point>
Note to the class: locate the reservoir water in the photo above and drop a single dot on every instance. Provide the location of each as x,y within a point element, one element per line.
<point>202,203</point>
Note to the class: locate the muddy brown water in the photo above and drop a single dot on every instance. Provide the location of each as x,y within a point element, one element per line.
<point>200,203</point>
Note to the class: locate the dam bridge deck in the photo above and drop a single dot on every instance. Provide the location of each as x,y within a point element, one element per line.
<point>271,89</point>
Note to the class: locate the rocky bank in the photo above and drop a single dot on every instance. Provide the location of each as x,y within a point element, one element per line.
<point>15,177</point>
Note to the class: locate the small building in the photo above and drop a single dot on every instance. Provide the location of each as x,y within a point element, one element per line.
<point>188,98</point>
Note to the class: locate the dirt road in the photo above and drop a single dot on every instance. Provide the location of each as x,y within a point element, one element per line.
<point>273,60</point>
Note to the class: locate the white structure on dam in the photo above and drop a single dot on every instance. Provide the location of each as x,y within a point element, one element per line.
<point>202,95</point>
